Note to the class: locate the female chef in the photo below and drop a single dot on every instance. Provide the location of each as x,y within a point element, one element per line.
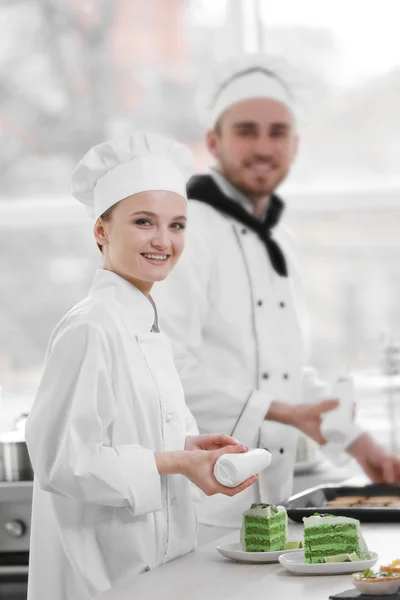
<point>114,448</point>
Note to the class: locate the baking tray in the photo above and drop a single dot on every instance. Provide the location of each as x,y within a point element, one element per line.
<point>309,501</point>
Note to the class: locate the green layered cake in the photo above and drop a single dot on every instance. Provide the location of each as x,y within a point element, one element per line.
<point>264,528</point>
<point>330,535</point>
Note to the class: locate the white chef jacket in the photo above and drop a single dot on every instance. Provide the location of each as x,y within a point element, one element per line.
<point>109,398</point>
<point>240,338</point>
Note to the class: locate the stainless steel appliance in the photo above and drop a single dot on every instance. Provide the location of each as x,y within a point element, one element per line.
<point>15,520</point>
<point>15,459</point>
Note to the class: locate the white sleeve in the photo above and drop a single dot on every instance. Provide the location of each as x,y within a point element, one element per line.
<point>183,301</point>
<point>66,431</point>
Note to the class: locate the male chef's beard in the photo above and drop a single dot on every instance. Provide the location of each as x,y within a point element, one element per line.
<point>255,193</point>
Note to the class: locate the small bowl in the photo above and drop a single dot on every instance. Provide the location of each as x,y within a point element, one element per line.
<point>376,587</point>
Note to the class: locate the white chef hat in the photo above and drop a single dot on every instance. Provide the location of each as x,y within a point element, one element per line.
<point>133,163</point>
<point>245,77</point>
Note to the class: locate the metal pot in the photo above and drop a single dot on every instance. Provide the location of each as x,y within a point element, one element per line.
<point>14,457</point>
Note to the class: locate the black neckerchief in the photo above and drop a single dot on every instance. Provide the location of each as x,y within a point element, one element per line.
<point>204,189</point>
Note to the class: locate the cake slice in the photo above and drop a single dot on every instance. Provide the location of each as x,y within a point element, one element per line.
<point>329,535</point>
<point>264,528</point>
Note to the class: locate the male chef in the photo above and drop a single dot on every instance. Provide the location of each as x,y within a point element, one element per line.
<point>233,307</point>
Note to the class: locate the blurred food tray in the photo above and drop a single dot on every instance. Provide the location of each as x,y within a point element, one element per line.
<point>374,503</point>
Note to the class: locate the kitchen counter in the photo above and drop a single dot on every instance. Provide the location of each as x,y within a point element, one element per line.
<point>205,575</point>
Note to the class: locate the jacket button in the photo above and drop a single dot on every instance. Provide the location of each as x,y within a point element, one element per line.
<point>168,418</point>
<point>282,304</point>
<point>265,375</point>
<point>285,376</point>
<point>260,303</point>
<point>281,450</point>
<point>244,231</point>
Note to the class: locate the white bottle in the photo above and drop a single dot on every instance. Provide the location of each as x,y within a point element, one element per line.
<point>337,424</point>
<point>232,469</point>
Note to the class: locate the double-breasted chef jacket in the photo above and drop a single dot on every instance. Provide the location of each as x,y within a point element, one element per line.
<point>109,398</point>
<point>240,338</point>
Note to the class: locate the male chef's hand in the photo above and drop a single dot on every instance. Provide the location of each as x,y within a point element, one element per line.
<point>307,418</point>
<point>379,465</point>
<point>212,441</point>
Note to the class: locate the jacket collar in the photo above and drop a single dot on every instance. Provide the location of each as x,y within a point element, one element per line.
<point>204,189</point>
<point>137,310</point>
<point>233,193</point>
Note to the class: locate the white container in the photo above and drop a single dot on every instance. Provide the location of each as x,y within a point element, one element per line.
<point>376,587</point>
<point>232,469</point>
<point>337,424</point>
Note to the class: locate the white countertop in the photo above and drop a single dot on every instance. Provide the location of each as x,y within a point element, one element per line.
<point>205,575</point>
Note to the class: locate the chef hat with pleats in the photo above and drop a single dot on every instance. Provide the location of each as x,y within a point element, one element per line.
<point>246,77</point>
<point>133,163</point>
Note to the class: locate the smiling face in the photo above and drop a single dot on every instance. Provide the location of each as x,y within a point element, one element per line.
<point>144,237</point>
<point>254,144</point>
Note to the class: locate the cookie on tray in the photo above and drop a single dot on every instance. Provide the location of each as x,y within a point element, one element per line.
<point>380,500</point>
<point>345,501</point>
<point>385,499</point>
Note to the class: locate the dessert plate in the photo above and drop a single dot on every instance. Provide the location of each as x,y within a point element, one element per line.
<point>235,552</point>
<point>295,564</point>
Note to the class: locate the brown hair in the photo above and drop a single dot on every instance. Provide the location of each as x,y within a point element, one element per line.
<point>106,216</point>
<point>217,127</point>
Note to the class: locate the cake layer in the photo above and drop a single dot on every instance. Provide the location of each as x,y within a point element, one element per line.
<point>331,528</point>
<point>264,528</point>
<point>329,544</point>
<point>266,522</point>
<point>326,537</point>
<point>264,539</point>
<point>255,545</point>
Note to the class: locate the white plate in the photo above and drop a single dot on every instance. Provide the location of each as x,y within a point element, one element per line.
<point>235,552</point>
<point>295,564</point>
<point>306,466</point>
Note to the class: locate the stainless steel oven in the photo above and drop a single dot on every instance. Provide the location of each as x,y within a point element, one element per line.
<point>15,521</point>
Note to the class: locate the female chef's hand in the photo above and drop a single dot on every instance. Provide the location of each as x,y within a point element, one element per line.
<point>212,441</point>
<point>198,466</point>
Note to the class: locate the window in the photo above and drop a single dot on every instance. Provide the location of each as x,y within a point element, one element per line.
<point>76,73</point>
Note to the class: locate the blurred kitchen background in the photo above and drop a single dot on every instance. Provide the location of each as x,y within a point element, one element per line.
<point>75,72</point>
